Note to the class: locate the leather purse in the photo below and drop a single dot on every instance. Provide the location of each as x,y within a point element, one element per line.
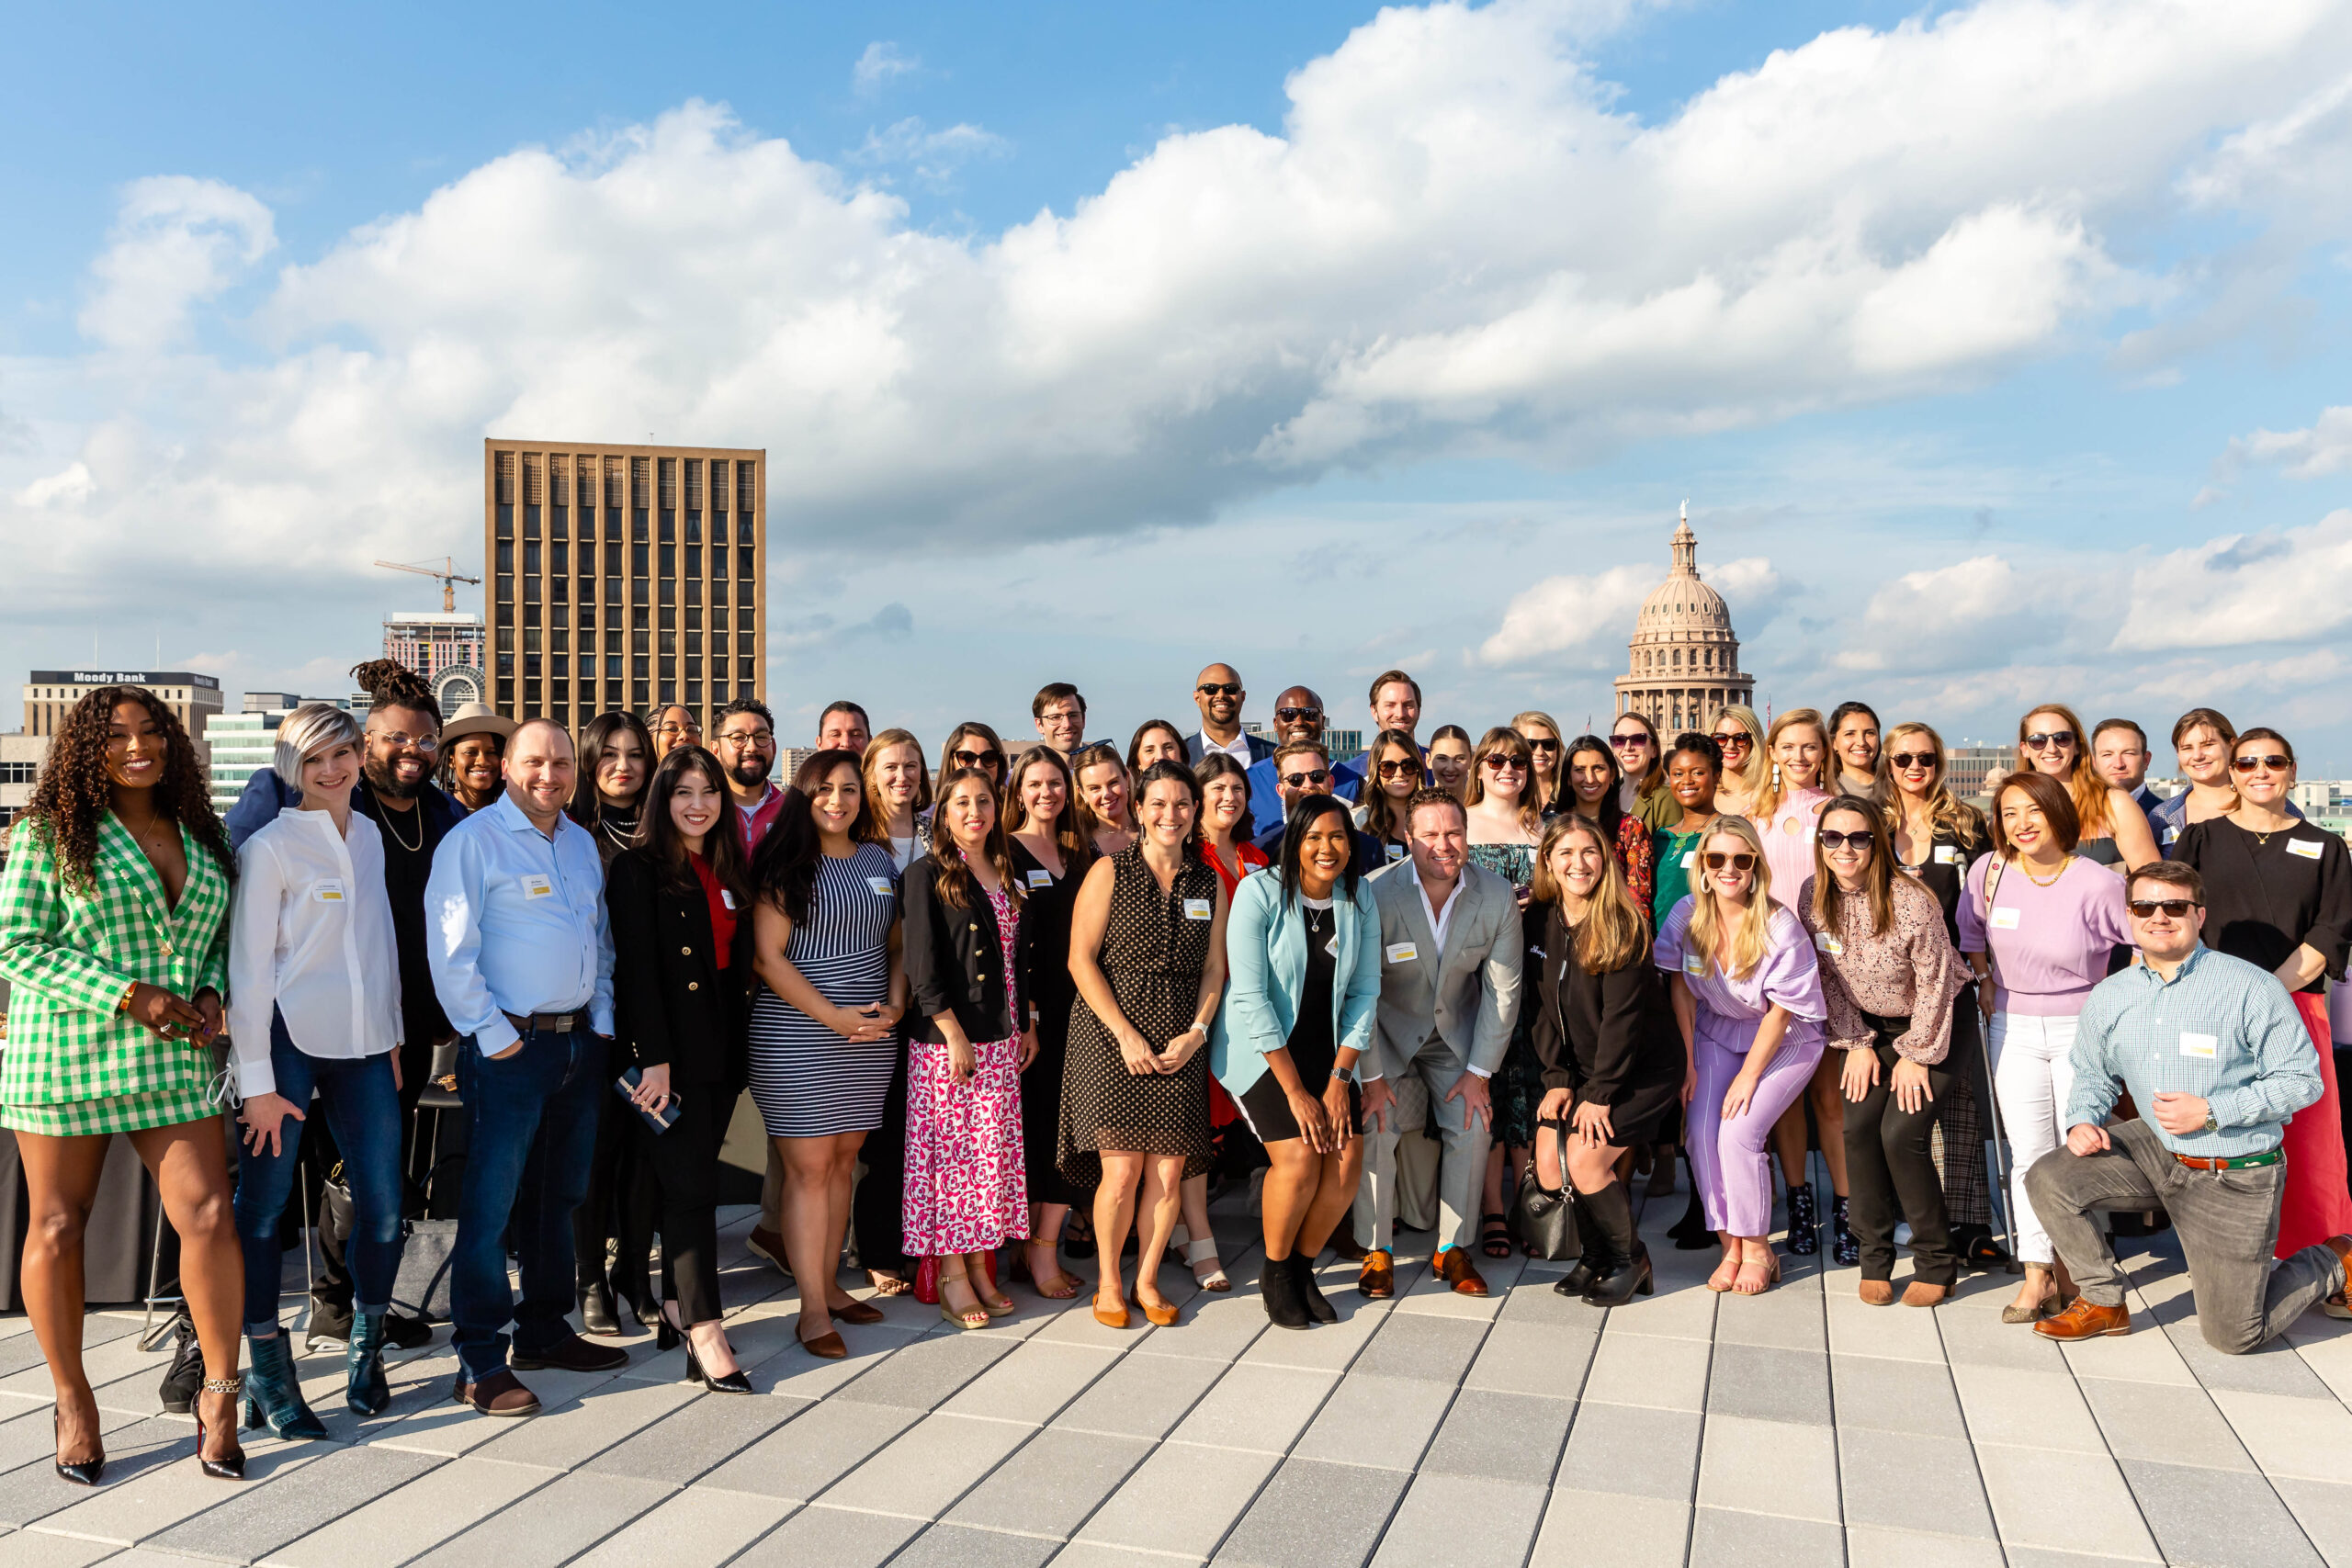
<point>1545,1218</point>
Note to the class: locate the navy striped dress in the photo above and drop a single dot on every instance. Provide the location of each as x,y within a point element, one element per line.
<point>807,1081</point>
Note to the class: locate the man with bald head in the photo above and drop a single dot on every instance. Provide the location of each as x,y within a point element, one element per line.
<point>1298,720</point>
<point>1218,694</point>
<point>522,961</point>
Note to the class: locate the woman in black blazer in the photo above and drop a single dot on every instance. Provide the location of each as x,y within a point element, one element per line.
<point>966,1194</point>
<point>681,966</point>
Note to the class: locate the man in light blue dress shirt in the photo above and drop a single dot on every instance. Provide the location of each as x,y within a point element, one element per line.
<point>522,960</point>
<point>2216,1060</point>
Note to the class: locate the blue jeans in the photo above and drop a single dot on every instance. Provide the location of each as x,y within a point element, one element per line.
<point>532,1134</point>
<point>363,1110</point>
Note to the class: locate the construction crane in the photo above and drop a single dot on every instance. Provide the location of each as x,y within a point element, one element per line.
<point>449,577</point>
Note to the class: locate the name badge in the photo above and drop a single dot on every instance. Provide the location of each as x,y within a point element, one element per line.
<point>1690,859</point>
<point>2307,848</point>
<point>327,891</point>
<point>1040,879</point>
<point>2171,834</point>
<point>538,886</point>
<point>2004,920</point>
<point>1825,943</point>
<point>880,885</point>
<point>1402,952</point>
<point>1946,854</point>
<point>1198,908</point>
<point>1694,964</point>
<point>727,897</point>
<point>1395,853</point>
<point>1332,946</point>
<point>2200,1045</point>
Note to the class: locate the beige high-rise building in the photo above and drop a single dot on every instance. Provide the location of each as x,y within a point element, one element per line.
<point>623,577</point>
<point>1683,663</point>
<point>50,695</point>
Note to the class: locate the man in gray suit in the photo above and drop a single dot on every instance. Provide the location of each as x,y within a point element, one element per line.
<point>1450,952</point>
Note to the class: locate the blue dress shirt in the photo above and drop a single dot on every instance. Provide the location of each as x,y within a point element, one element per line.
<point>518,925</point>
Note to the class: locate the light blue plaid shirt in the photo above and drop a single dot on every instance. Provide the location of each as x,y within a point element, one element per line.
<point>2220,1029</point>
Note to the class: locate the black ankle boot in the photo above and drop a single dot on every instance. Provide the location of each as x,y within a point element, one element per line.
<point>1844,1245</point>
<point>596,1310</point>
<point>1627,1262</point>
<point>1310,1294</point>
<point>1592,1262</point>
<point>1804,1221</point>
<point>1690,1233</point>
<point>273,1395</point>
<point>1278,1284</point>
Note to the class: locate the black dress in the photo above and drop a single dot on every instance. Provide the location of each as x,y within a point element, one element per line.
<point>2267,894</point>
<point>1044,961</point>
<point>1608,1038</point>
<point>1313,1044</point>
<point>1155,947</point>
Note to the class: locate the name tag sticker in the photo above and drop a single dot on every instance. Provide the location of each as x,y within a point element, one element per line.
<point>1332,946</point>
<point>880,885</point>
<point>2171,834</point>
<point>538,886</point>
<point>2004,920</point>
<point>327,891</point>
<point>2202,1046</point>
<point>1041,879</point>
<point>1690,859</point>
<point>1946,854</point>
<point>1694,964</point>
<point>1395,853</point>
<point>2307,848</point>
<point>727,897</point>
<point>1829,944</point>
<point>1402,952</point>
<point>1198,908</point>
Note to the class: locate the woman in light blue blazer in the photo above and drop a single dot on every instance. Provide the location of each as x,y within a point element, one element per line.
<point>1303,957</point>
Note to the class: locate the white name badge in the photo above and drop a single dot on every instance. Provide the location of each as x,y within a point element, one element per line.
<point>2307,848</point>
<point>1332,946</point>
<point>1198,908</point>
<point>1690,859</point>
<point>880,885</point>
<point>1694,964</point>
<point>726,896</point>
<point>327,891</point>
<point>1402,952</point>
<point>2171,834</point>
<point>2200,1045</point>
<point>1946,854</point>
<point>1825,943</point>
<point>2004,920</point>
<point>538,886</point>
<point>1395,853</point>
<point>1040,879</point>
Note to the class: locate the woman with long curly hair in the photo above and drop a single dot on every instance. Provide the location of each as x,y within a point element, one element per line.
<point>114,936</point>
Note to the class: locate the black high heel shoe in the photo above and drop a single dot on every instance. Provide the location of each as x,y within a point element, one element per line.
<point>733,1383</point>
<point>231,1467</point>
<point>80,1472</point>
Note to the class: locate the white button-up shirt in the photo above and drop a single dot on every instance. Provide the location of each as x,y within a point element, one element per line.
<point>518,925</point>
<point>1238,751</point>
<point>1439,919</point>
<point>311,937</point>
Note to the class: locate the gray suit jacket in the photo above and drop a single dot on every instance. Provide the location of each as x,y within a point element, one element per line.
<point>1469,993</point>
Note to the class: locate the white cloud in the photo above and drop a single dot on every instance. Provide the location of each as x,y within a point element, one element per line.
<point>176,242</point>
<point>2323,448</point>
<point>73,486</point>
<point>2282,586</point>
<point>1587,619</point>
<point>1973,612</point>
<point>932,155</point>
<point>880,63</point>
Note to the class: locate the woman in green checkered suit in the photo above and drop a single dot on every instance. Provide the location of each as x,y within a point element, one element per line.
<point>113,939</point>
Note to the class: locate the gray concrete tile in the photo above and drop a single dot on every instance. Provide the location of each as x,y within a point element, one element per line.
<point>2274,1368</point>
<point>1769,1467</point>
<point>920,1375</point>
<point>1142,1395</point>
<point>256,1520</point>
<point>1635,1369</point>
<point>2028,1409</point>
<point>1721,1538</point>
<point>1677,1314</point>
<point>1376,1421</point>
<point>929,1465</point>
<point>1974,1334</point>
<point>1525,1356</point>
<point>700,1527</point>
<point>1627,1448</point>
<point>1330,1346</point>
<point>1051,1483</point>
<point>1769,1384</point>
<point>1314,1515</point>
<point>805,1455</point>
<point>1875,1546</point>
<point>1256,1407</point>
<point>1438,1349</point>
<point>2217,1518</point>
<point>1182,1499</point>
<point>571,1515</point>
<point>1897,1333</point>
<point>2325,1510</point>
<point>2167,1424</point>
<point>1462,1518</point>
<point>32,1549</point>
<point>838,1537</point>
<point>134,1447</point>
<point>1098,1554</point>
<point>1885,1395</point>
<point>954,1546</point>
<point>1902,1481</point>
<point>2307,1437</point>
<point>401,1525</point>
<point>1640,1532</point>
<point>1215,1327</point>
<point>1033,1383</point>
<point>1532,1299</point>
<point>705,1432</point>
<point>1784,1319</point>
<point>2058,1500</point>
<point>2045,1557</point>
<point>565,1436</point>
<point>157,1496</point>
<point>1500,1436</point>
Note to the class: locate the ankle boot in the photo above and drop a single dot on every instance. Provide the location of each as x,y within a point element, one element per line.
<point>1593,1262</point>
<point>1310,1294</point>
<point>1844,1245</point>
<point>365,1389</point>
<point>273,1396</point>
<point>1279,1285</point>
<point>1804,1221</point>
<point>596,1312</point>
<point>1690,1233</point>
<point>1628,1262</point>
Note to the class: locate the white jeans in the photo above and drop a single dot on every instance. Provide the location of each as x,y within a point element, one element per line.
<point>2033,1074</point>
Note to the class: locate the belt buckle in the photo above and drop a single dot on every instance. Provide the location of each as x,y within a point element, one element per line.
<point>560,1022</point>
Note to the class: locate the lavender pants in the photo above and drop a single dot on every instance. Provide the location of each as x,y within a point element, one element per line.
<point>1727,1158</point>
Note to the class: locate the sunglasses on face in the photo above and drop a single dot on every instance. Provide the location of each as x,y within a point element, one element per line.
<point>1628,742</point>
<point>1395,768</point>
<point>1294,715</point>
<point>1543,745</point>
<point>2270,763</point>
<point>976,759</point>
<point>1219,688</point>
<point>2053,738</point>
<point>1830,840</point>
<point>1912,759</point>
<point>2172,908</point>
<point>1715,859</point>
<point>1739,740</point>
<point>1297,781</point>
<point>1507,765</point>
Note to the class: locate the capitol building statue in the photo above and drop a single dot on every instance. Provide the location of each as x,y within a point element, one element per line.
<point>1684,668</point>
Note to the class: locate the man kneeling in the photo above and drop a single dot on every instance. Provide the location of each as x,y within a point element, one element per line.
<point>2214,1054</point>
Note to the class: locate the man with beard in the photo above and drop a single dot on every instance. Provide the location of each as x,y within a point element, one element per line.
<point>1298,721</point>
<point>746,749</point>
<point>1218,694</point>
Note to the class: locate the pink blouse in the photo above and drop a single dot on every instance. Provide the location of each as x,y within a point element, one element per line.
<point>1788,842</point>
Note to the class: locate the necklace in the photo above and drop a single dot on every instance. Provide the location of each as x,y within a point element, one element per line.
<point>624,839</point>
<point>2028,869</point>
<point>387,820</point>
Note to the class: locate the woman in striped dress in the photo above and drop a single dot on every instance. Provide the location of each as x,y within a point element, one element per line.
<point>824,1018</point>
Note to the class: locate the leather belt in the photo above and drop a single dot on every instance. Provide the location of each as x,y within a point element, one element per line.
<point>547,1022</point>
<point>2232,1162</point>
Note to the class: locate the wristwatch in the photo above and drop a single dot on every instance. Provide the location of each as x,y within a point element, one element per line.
<point>1343,1075</point>
<point>2211,1125</point>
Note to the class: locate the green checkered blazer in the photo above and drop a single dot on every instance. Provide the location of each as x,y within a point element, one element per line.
<point>70,956</point>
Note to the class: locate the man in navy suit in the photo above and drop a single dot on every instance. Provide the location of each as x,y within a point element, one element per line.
<point>1218,694</point>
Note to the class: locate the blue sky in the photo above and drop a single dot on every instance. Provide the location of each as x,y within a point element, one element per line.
<point>1348,338</point>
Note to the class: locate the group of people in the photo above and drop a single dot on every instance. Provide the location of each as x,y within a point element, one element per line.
<point>1033,998</point>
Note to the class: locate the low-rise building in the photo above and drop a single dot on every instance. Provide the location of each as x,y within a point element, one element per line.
<point>242,744</point>
<point>20,759</point>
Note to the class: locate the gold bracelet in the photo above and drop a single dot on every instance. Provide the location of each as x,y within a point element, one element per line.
<point>122,1006</point>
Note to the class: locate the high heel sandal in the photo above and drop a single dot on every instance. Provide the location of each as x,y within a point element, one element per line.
<point>1194,1252</point>
<point>1730,1263</point>
<point>732,1382</point>
<point>962,1317</point>
<point>80,1472</point>
<point>1064,1285</point>
<point>230,1466</point>
<point>1769,1265</point>
<point>665,1333</point>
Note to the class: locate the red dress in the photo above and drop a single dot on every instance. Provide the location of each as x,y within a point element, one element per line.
<point>1223,1112</point>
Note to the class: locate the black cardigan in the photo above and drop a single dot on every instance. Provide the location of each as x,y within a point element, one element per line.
<point>955,962</point>
<point>671,1001</point>
<point>1598,1034</point>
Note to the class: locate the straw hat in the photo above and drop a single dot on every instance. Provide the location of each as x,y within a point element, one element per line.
<point>476,718</point>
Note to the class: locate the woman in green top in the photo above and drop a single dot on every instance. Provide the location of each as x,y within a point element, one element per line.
<point>113,939</point>
<point>1692,768</point>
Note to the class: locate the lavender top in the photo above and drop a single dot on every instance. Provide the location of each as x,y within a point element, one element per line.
<point>1729,1009</point>
<point>2049,945</point>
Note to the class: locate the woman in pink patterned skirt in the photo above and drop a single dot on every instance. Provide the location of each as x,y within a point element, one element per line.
<point>966,1192</point>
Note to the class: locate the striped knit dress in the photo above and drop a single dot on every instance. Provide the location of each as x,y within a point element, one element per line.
<point>807,1081</point>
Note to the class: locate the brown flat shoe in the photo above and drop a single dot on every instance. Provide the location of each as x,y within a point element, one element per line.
<point>826,1346</point>
<point>765,1243</point>
<point>858,1312</point>
<point>501,1393</point>
<point>2048,1306</point>
<point>1878,1293</point>
<point>1453,1267</point>
<point>1164,1315</point>
<point>2085,1319</point>
<point>1377,1279</point>
<point>1110,1319</point>
<point>1919,1294</point>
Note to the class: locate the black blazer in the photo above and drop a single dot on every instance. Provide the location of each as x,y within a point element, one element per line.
<point>955,962</point>
<point>1600,1035</point>
<point>671,1001</point>
<point>1196,745</point>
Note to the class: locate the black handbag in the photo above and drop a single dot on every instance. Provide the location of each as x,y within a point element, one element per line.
<point>1545,1218</point>
<point>421,1290</point>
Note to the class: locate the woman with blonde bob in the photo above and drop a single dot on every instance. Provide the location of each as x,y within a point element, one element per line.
<point>1747,995</point>
<point>1746,773</point>
<point>2113,830</point>
<point>1612,1062</point>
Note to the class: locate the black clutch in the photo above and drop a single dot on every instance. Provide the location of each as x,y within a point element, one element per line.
<point>625,1087</point>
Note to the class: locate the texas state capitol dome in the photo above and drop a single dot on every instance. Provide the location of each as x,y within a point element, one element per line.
<point>1683,667</point>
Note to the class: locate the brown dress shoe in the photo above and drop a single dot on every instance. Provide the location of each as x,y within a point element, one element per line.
<point>571,1354</point>
<point>765,1243</point>
<point>1378,1279</point>
<point>501,1393</point>
<point>2085,1319</point>
<point>1453,1267</point>
<point>1919,1294</point>
<point>858,1312</point>
<point>1878,1293</point>
<point>1346,1249</point>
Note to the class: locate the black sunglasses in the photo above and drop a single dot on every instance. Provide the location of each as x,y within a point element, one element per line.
<point>1292,715</point>
<point>2274,763</point>
<point>2173,908</point>
<point>1543,745</point>
<point>2054,738</point>
<point>1830,840</point>
<point>1219,688</point>
<point>976,759</point>
<point>1395,768</point>
<point>1914,759</point>
<point>1320,776</point>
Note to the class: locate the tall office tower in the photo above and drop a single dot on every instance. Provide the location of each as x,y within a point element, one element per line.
<point>623,577</point>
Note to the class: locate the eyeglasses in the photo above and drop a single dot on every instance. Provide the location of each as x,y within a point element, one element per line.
<point>1319,775</point>
<point>2054,738</point>
<point>2273,763</point>
<point>1830,840</point>
<point>1398,768</point>
<point>1219,688</point>
<point>976,759</point>
<point>1914,759</point>
<point>2172,908</point>
<point>1628,742</point>
<point>742,741</point>
<point>1738,741</point>
<point>1715,859</point>
<point>425,744</point>
<point>1507,765</point>
<point>676,729</point>
<point>1543,745</point>
<point>1293,716</point>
